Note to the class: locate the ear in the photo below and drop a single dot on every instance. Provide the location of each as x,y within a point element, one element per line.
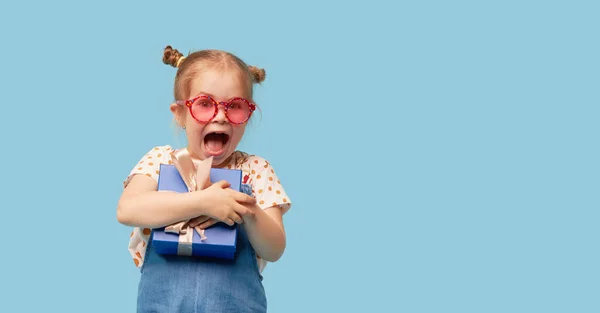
<point>178,113</point>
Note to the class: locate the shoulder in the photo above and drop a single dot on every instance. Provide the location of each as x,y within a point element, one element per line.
<point>160,154</point>
<point>149,163</point>
<point>243,158</point>
<point>250,161</point>
<point>265,183</point>
<point>258,169</point>
<point>160,151</point>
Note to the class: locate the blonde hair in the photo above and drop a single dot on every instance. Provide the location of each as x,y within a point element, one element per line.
<point>188,67</point>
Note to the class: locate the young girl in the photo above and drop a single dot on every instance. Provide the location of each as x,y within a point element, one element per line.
<point>213,93</point>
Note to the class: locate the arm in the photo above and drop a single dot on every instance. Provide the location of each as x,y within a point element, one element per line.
<point>141,205</point>
<point>266,232</point>
<point>265,229</point>
<point>265,225</point>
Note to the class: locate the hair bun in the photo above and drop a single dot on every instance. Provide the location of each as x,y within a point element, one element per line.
<point>172,56</point>
<point>258,74</point>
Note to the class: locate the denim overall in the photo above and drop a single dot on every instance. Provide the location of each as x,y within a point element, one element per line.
<point>171,283</point>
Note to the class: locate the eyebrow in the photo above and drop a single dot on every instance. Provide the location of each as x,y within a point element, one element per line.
<point>212,96</point>
<point>204,93</point>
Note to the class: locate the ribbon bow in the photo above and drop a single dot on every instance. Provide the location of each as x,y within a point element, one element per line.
<point>196,177</point>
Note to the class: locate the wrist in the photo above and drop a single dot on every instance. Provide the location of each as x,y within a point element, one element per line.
<point>197,203</point>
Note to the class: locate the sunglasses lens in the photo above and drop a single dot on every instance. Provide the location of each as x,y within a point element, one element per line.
<point>238,111</point>
<point>203,109</point>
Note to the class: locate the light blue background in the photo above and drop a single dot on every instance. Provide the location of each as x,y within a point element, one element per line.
<point>442,156</point>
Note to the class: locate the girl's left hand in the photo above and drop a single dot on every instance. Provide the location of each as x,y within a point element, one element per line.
<point>201,219</point>
<point>206,222</point>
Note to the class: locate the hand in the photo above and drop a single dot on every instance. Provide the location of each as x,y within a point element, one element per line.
<point>224,204</point>
<point>203,222</point>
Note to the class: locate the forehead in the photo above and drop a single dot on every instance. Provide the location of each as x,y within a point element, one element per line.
<point>220,83</point>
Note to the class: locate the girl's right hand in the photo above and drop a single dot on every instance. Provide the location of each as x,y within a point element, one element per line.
<point>225,204</point>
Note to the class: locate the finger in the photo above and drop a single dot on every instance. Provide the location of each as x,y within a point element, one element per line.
<point>208,223</point>
<point>236,218</point>
<point>243,211</point>
<point>198,220</point>
<point>243,198</point>
<point>222,184</point>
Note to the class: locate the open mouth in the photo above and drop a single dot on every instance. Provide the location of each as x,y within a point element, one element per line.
<point>215,141</point>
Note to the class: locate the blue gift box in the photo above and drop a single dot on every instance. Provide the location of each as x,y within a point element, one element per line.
<point>220,238</point>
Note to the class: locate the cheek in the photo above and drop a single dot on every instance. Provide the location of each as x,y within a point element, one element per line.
<point>238,133</point>
<point>190,122</point>
<point>193,137</point>
<point>193,129</point>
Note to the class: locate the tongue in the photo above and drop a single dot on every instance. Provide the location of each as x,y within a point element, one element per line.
<point>214,144</point>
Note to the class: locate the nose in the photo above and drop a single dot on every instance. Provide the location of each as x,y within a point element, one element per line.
<point>220,117</point>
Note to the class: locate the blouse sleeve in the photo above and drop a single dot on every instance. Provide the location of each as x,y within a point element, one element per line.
<point>149,164</point>
<point>268,189</point>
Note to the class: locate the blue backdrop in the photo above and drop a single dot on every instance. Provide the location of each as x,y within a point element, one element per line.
<point>442,156</point>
